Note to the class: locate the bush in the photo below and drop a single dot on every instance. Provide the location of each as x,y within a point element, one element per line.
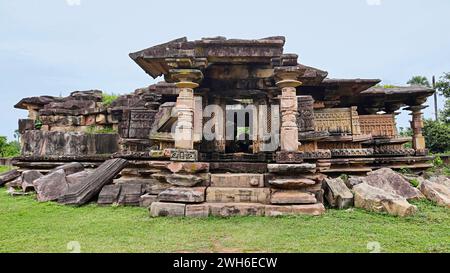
<point>414,182</point>
<point>9,149</point>
<point>437,136</point>
<point>107,99</point>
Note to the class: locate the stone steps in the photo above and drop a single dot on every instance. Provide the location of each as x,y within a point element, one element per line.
<point>232,209</point>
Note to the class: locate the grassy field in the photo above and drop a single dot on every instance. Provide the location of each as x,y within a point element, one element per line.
<point>29,226</point>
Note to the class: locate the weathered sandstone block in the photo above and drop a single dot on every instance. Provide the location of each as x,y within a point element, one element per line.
<point>237,180</point>
<point>337,194</point>
<point>439,193</point>
<point>197,210</point>
<point>167,209</point>
<point>184,195</point>
<point>292,168</point>
<point>291,182</point>
<point>28,177</point>
<point>378,200</point>
<point>245,195</point>
<point>236,209</point>
<point>8,176</point>
<point>308,209</point>
<point>147,199</point>
<point>292,197</point>
<point>51,186</point>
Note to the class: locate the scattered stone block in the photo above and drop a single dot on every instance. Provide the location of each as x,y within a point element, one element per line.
<point>28,177</point>
<point>438,193</point>
<point>78,177</point>
<point>391,181</point>
<point>167,209</point>
<point>292,168</point>
<point>183,195</point>
<point>378,200</point>
<point>236,209</point>
<point>197,210</point>
<point>337,194</point>
<point>147,199</point>
<point>8,176</point>
<point>51,186</point>
<point>232,195</point>
<point>237,180</point>
<point>130,194</point>
<point>238,167</point>
<point>292,197</point>
<point>109,195</point>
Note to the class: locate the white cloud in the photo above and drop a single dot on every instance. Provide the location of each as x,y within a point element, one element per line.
<point>73,2</point>
<point>373,2</point>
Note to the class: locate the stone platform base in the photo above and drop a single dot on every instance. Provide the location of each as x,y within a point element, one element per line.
<point>232,209</point>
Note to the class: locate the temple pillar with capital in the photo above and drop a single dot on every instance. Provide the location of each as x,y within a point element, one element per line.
<point>287,80</point>
<point>185,81</point>
<point>418,140</point>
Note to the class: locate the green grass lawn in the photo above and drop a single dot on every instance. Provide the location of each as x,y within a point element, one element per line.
<point>29,226</point>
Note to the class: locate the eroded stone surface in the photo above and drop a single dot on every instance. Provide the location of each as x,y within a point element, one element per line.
<point>183,195</point>
<point>236,209</point>
<point>51,186</point>
<point>245,195</point>
<point>237,180</point>
<point>378,200</point>
<point>291,183</point>
<point>337,194</point>
<point>439,193</point>
<point>167,209</point>
<point>291,168</point>
<point>292,197</point>
<point>147,199</point>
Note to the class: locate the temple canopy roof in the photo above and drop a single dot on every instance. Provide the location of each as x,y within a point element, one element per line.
<point>155,60</point>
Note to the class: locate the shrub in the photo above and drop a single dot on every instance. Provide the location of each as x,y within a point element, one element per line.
<point>414,182</point>
<point>437,136</point>
<point>107,99</point>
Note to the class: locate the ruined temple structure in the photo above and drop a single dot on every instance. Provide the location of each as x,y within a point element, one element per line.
<point>321,127</point>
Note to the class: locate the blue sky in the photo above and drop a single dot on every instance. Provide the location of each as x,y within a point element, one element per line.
<point>52,47</point>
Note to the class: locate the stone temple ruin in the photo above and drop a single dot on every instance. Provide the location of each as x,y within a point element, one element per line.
<point>237,127</point>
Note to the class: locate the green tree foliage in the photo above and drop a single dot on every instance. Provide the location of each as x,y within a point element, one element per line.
<point>9,149</point>
<point>419,80</point>
<point>443,85</point>
<point>437,136</point>
<point>107,99</point>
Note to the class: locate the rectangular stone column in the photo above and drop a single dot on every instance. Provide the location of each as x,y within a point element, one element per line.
<point>289,112</point>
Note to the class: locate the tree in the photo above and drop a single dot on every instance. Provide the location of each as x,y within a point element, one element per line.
<point>437,136</point>
<point>443,85</point>
<point>419,80</point>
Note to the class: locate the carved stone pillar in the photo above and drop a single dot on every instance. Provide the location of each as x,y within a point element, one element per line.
<point>286,77</point>
<point>185,80</point>
<point>418,140</point>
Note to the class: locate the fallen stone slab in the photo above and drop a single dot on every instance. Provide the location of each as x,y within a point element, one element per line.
<point>167,209</point>
<point>306,209</point>
<point>292,168</point>
<point>8,176</point>
<point>197,210</point>
<point>147,199</point>
<point>91,185</point>
<point>337,194</point>
<point>438,193</point>
<point>183,195</point>
<point>28,177</point>
<point>354,180</point>
<point>236,209</point>
<point>130,194</point>
<point>237,180</point>
<point>391,181</point>
<point>378,200</point>
<point>232,195</point>
<point>440,179</point>
<point>292,197</point>
<point>78,177</point>
<point>109,194</point>
<point>291,183</point>
<point>51,186</point>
